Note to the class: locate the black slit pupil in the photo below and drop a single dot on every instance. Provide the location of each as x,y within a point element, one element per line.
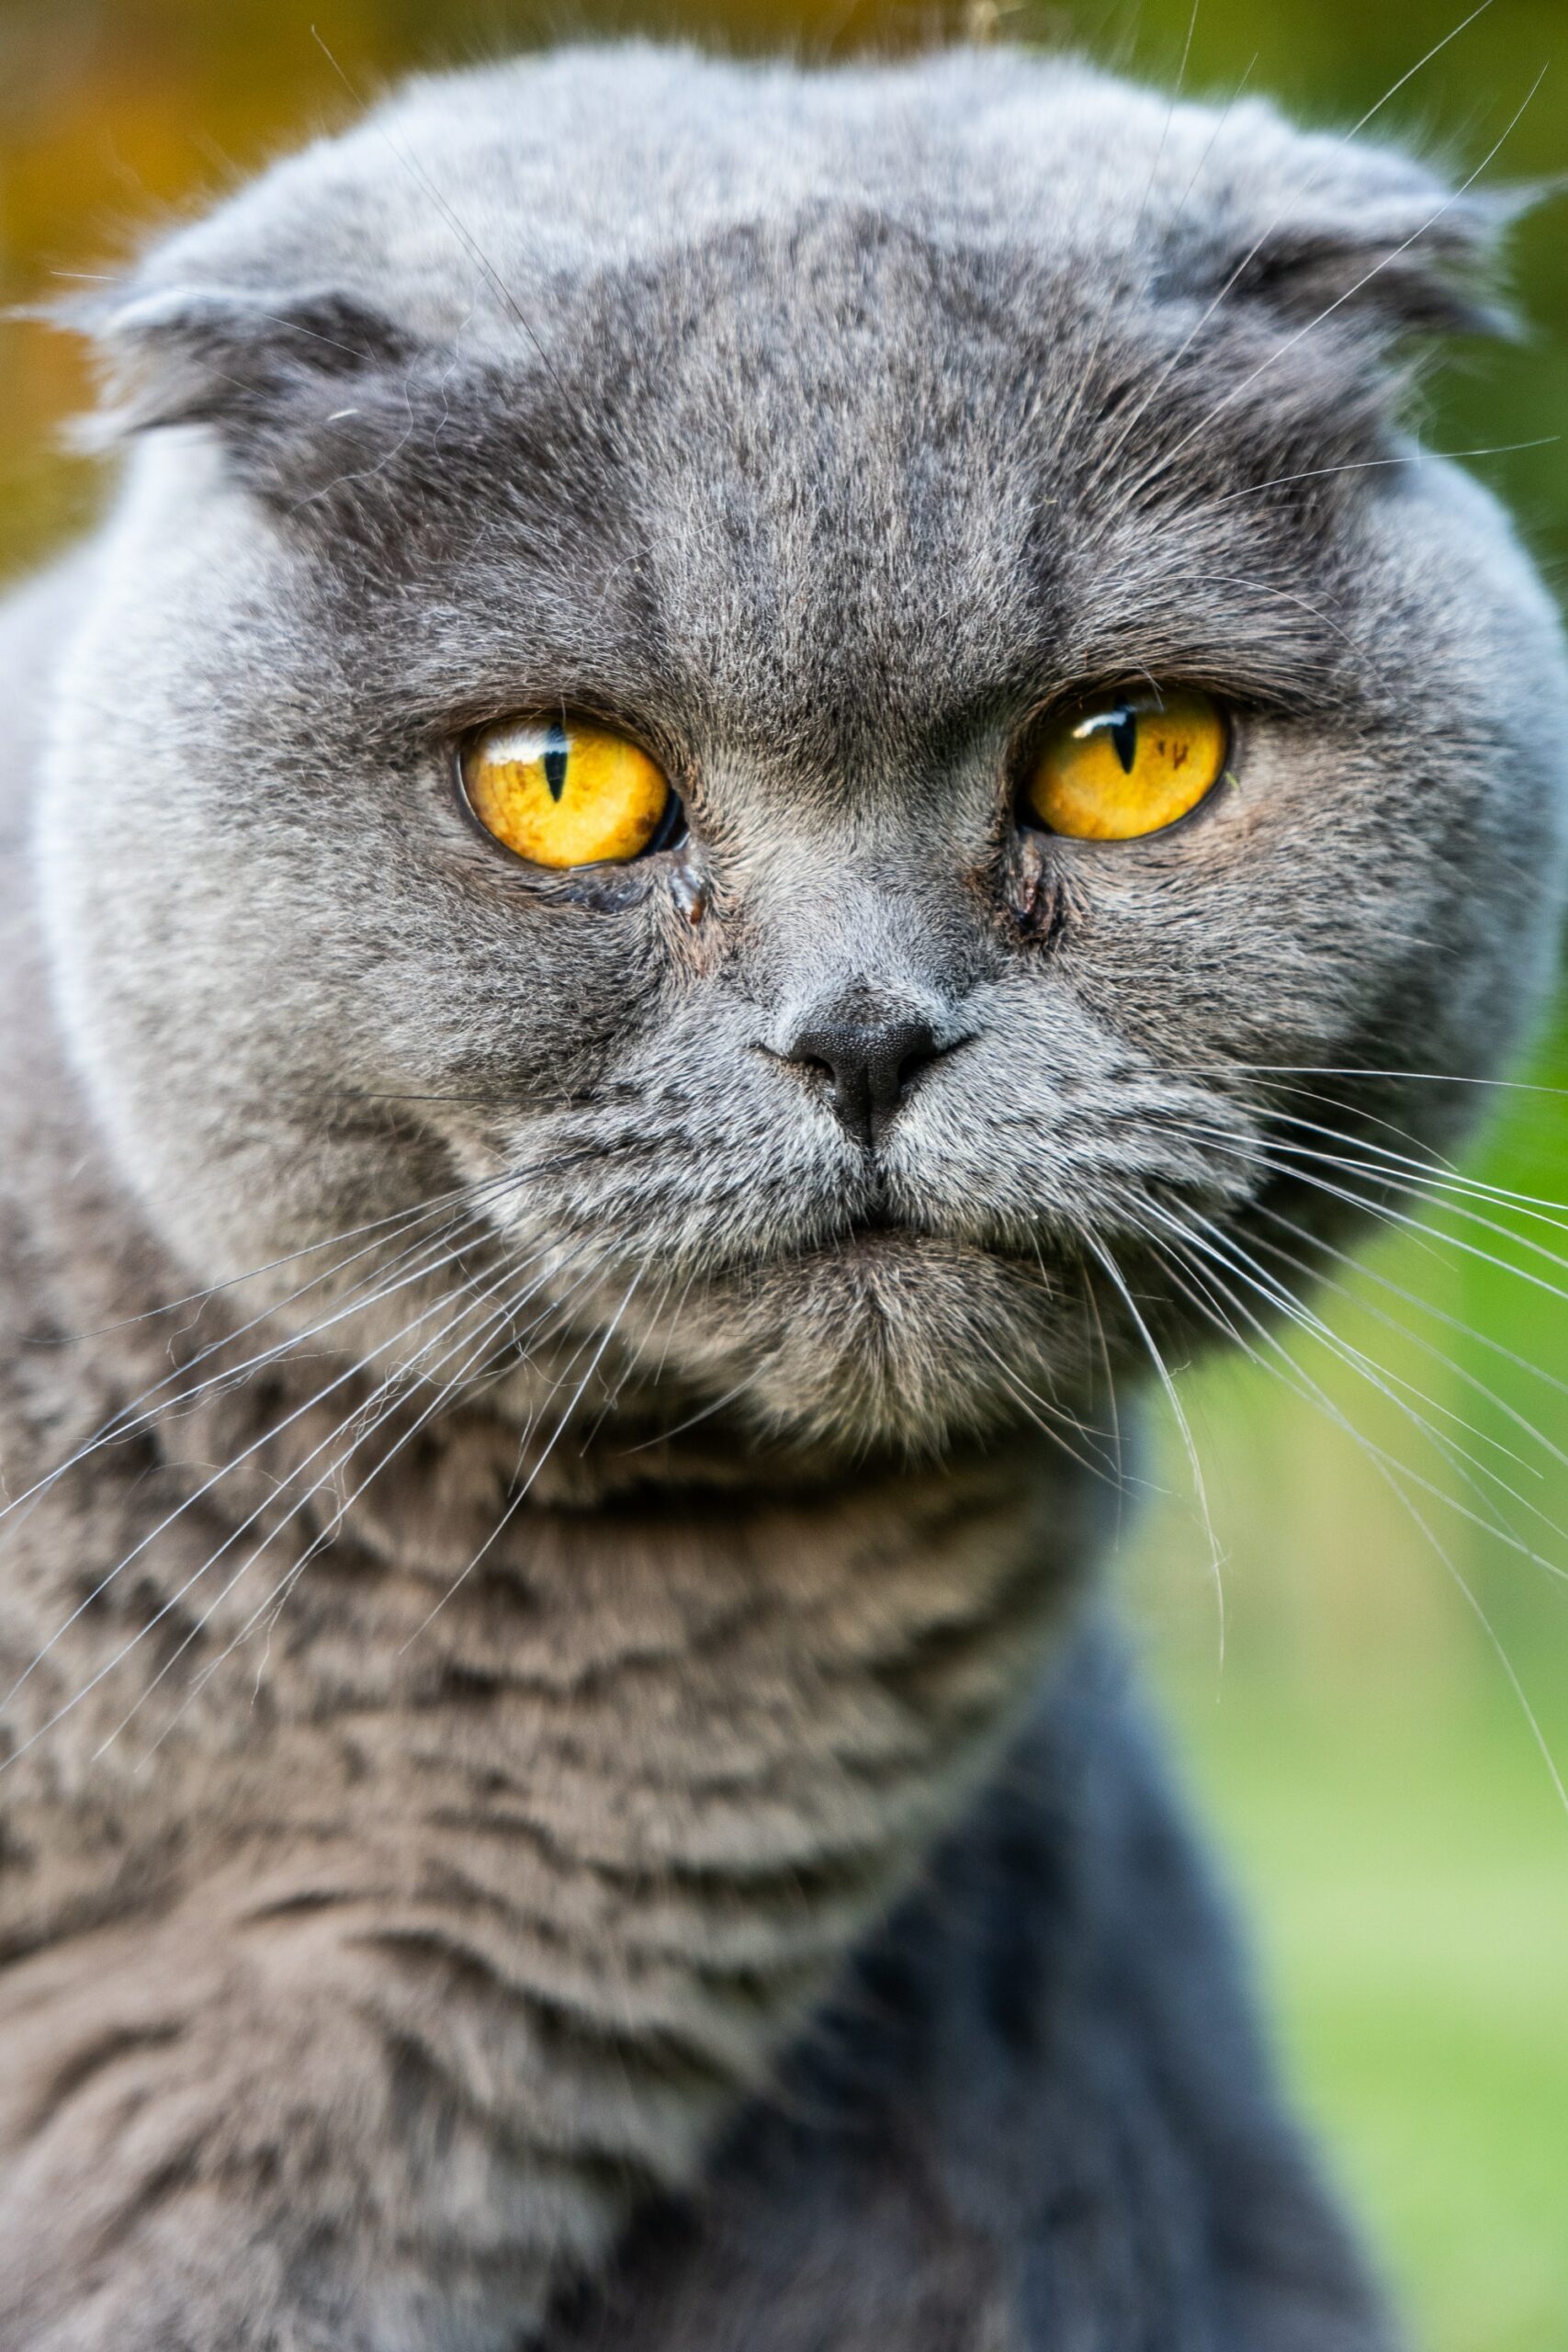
<point>1124,736</point>
<point>557,751</point>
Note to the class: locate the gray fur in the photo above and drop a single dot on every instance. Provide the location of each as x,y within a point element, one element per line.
<point>365,1985</point>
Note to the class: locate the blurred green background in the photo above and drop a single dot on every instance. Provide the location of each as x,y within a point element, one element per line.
<point>1365,1742</point>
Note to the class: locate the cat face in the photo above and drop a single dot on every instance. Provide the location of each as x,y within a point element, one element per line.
<point>828,460</point>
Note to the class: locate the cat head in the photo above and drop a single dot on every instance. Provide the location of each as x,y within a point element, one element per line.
<point>840,694</point>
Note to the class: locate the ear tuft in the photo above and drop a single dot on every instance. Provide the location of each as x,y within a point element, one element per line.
<point>258,368</point>
<point>1409,268</point>
<point>1305,226</point>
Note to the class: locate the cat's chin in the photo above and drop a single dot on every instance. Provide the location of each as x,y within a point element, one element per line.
<point>883,1339</point>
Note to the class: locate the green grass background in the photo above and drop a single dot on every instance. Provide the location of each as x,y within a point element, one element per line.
<point>1370,1766</point>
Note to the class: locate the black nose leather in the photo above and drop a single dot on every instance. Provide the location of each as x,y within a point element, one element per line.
<point>869,1065</point>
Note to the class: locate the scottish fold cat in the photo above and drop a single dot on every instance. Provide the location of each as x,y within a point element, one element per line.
<point>752,755</point>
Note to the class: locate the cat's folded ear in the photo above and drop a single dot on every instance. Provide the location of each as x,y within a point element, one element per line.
<point>1374,241</point>
<point>270,374</point>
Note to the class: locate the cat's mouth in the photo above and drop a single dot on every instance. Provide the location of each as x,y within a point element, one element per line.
<point>874,1232</point>
<point>875,1225</point>
<point>882,1237</point>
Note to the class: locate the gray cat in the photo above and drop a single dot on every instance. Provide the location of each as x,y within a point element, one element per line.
<point>671,871</point>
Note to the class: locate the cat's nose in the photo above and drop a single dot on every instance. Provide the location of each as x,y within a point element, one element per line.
<point>869,1065</point>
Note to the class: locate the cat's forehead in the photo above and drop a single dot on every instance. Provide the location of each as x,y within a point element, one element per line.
<point>470,193</point>
<point>919,382</point>
<point>469,197</point>
<point>827,469</point>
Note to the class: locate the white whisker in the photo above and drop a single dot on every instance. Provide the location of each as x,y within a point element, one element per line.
<point>520,1497</point>
<point>1174,1400</point>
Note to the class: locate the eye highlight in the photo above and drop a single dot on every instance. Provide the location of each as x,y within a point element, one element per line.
<point>561,793</point>
<point>1117,768</point>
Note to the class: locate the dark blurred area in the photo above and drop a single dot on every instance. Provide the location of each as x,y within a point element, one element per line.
<point>1381,1740</point>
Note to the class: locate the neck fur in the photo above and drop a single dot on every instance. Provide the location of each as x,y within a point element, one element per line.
<point>585,1830</point>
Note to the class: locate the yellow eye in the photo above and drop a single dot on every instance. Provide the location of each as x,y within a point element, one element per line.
<point>565,794</point>
<point>1116,769</point>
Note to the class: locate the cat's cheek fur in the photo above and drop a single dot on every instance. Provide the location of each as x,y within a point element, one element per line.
<point>264,980</point>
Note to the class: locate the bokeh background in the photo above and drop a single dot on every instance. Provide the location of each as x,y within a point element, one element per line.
<point>1378,1734</point>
